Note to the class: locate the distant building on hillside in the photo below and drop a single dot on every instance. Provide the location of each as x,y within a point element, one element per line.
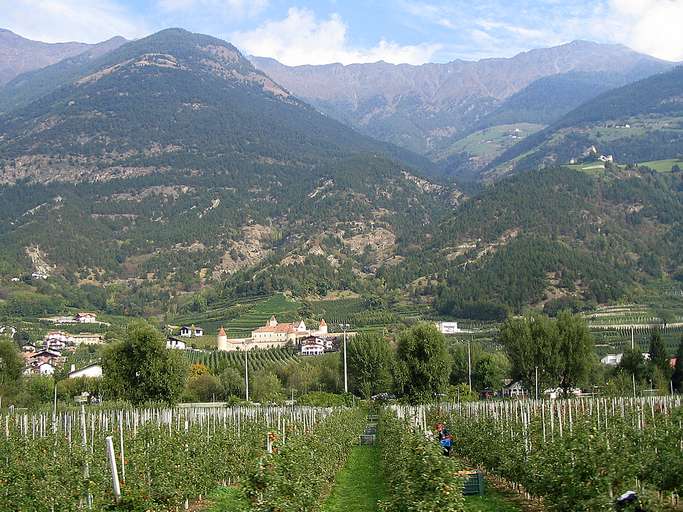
<point>448,327</point>
<point>612,359</point>
<point>56,340</point>
<point>280,333</point>
<point>222,340</point>
<point>92,371</point>
<point>272,335</point>
<point>174,343</point>
<point>190,331</point>
<point>85,318</point>
<point>312,346</point>
<point>87,338</point>
<point>316,345</point>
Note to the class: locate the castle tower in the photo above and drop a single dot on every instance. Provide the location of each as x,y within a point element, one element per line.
<point>323,327</point>
<point>222,340</point>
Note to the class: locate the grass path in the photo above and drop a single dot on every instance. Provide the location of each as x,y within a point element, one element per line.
<point>358,486</point>
<point>492,501</point>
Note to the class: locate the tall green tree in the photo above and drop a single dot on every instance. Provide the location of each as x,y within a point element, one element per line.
<point>141,369</point>
<point>576,350</point>
<point>423,363</point>
<point>370,361</point>
<point>516,337</point>
<point>633,363</point>
<point>11,364</point>
<point>561,350</point>
<point>266,387</point>
<point>490,370</point>
<point>658,356</point>
<point>233,382</point>
<point>677,377</point>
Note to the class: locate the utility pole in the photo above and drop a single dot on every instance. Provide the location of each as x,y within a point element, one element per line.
<point>344,327</point>
<point>246,371</point>
<point>469,364</point>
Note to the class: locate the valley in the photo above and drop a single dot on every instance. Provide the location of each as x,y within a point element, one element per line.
<point>419,278</point>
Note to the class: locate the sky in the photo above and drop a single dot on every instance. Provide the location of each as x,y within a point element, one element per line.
<point>300,32</point>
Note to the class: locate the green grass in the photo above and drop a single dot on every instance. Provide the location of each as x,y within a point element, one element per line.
<point>491,142</point>
<point>663,165</point>
<point>358,486</point>
<point>228,499</point>
<point>492,501</point>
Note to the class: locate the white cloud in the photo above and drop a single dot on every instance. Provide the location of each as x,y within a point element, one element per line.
<point>226,10</point>
<point>651,26</point>
<point>301,38</point>
<point>68,20</point>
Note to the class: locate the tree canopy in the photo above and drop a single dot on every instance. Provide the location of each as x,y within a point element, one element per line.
<point>423,363</point>
<point>141,369</point>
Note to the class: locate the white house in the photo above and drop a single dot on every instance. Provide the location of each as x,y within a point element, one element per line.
<point>87,338</point>
<point>612,359</point>
<point>190,331</point>
<point>93,371</point>
<point>56,340</point>
<point>85,318</point>
<point>514,390</point>
<point>312,346</point>
<point>175,344</point>
<point>45,369</point>
<point>448,327</point>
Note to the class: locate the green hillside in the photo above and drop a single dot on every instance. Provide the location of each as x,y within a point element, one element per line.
<point>638,122</point>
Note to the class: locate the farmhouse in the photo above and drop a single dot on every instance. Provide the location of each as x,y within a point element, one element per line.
<point>87,338</point>
<point>312,346</point>
<point>92,371</point>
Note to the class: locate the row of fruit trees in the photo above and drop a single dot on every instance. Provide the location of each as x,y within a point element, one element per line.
<point>166,458</point>
<point>571,455</point>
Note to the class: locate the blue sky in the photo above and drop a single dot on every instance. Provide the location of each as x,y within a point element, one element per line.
<point>316,32</point>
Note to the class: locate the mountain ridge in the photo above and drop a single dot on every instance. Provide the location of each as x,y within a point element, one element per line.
<point>425,108</point>
<point>19,54</point>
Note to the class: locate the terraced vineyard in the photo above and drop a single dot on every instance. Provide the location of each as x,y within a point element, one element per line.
<point>219,313</point>
<point>258,359</point>
<point>241,316</point>
<point>363,316</point>
<point>613,328</point>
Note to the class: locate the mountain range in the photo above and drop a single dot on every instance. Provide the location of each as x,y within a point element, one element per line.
<point>172,164</point>
<point>426,108</point>
<point>19,55</point>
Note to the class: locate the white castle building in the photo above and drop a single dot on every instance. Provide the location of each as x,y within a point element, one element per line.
<point>272,335</point>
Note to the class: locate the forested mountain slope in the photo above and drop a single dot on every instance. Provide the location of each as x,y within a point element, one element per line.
<point>552,234</point>
<point>171,162</point>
